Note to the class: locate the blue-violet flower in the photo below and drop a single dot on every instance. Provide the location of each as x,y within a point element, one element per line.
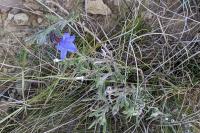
<point>65,45</point>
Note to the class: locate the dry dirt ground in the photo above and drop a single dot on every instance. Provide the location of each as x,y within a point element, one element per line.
<point>19,19</point>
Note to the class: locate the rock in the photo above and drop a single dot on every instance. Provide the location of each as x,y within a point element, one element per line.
<point>97,7</point>
<point>5,5</point>
<point>21,19</point>
<point>39,20</point>
<point>10,16</point>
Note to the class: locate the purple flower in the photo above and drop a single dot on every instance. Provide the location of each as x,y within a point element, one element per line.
<point>65,45</point>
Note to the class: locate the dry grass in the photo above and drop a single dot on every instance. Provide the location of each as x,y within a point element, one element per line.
<point>140,75</point>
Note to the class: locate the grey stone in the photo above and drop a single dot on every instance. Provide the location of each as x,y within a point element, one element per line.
<point>21,19</point>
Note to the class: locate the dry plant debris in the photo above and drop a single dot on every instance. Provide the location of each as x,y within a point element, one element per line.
<point>137,62</point>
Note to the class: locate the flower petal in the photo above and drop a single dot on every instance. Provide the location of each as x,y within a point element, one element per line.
<point>72,38</point>
<point>66,36</point>
<point>71,47</point>
<point>65,45</point>
<point>63,54</point>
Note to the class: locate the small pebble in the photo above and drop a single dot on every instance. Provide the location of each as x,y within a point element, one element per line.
<point>39,20</point>
<point>21,19</point>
